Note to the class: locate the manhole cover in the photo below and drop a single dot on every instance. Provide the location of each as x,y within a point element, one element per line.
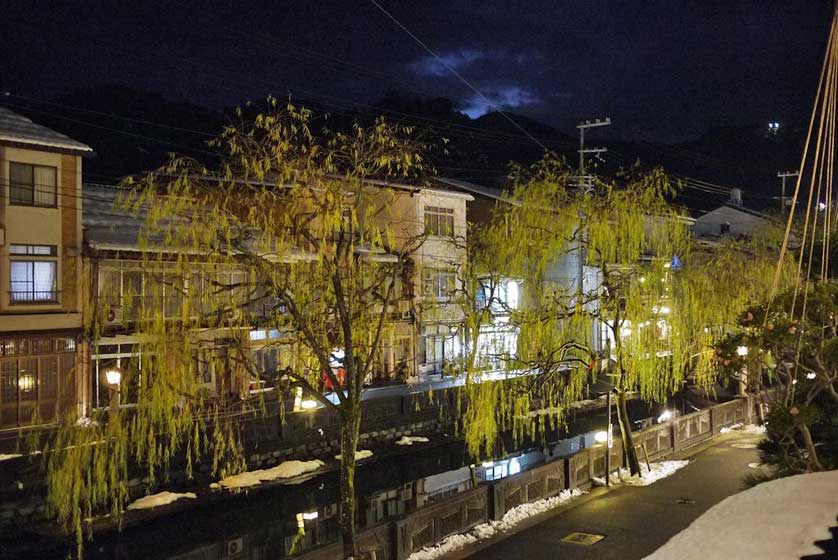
<point>584,539</point>
<point>686,501</point>
<point>744,445</point>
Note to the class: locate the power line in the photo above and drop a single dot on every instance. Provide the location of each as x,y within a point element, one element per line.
<point>457,74</point>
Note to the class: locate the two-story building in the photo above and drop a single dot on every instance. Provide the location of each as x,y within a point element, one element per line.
<point>41,284</point>
<point>422,331</point>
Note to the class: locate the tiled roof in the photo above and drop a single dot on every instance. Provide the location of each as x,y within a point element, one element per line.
<point>106,224</point>
<point>472,188</point>
<point>20,130</point>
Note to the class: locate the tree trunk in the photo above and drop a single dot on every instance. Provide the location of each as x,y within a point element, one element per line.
<point>349,429</point>
<point>810,447</point>
<point>629,452</point>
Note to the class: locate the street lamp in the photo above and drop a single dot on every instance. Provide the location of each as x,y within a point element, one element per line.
<point>742,351</point>
<point>113,376</point>
<point>665,415</point>
<point>308,404</point>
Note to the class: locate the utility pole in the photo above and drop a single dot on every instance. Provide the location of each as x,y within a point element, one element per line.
<point>586,186</point>
<point>586,181</point>
<point>783,175</point>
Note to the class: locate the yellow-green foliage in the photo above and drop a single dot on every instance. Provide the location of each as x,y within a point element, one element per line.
<point>287,234</point>
<point>662,322</point>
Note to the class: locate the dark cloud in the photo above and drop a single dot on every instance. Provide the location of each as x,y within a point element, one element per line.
<point>441,65</point>
<point>494,98</point>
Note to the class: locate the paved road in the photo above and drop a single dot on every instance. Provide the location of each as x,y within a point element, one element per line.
<point>635,520</point>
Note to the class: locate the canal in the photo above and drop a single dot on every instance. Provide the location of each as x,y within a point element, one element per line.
<point>279,520</point>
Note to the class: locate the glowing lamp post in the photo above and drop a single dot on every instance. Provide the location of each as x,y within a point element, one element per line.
<point>113,377</point>
<point>742,351</point>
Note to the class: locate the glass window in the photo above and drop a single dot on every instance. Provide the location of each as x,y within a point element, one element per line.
<point>438,283</point>
<point>38,250</point>
<point>439,221</point>
<point>49,377</point>
<point>32,185</point>
<point>8,381</point>
<point>27,380</point>
<point>33,281</point>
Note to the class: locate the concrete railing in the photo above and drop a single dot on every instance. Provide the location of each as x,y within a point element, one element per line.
<point>433,523</point>
<point>544,481</point>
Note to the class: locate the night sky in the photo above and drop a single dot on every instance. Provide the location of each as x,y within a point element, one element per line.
<point>663,70</point>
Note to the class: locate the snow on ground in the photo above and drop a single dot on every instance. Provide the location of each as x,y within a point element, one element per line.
<point>739,427</point>
<point>512,518</point>
<point>287,469</point>
<point>359,454</point>
<point>160,499</point>
<point>774,520</point>
<point>8,456</point>
<point>659,470</point>
<point>410,440</point>
<point>732,427</point>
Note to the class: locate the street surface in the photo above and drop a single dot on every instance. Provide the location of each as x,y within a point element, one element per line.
<point>636,520</point>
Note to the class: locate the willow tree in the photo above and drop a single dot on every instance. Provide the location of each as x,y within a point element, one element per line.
<point>292,233</point>
<point>591,262</point>
<point>513,284</point>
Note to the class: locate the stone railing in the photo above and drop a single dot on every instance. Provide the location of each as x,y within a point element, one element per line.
<point>431,524</point>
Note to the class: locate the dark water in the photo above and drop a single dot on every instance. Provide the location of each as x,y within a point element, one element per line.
<point>265,522</point>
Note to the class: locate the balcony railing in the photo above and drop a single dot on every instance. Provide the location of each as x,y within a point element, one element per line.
<point>32,296</point>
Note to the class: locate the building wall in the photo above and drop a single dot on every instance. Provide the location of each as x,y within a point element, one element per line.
<point>39,342</point>
<point>741,223</point>
<point>59,226</point>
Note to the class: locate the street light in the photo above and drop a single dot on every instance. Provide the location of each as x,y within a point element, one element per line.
<point>601,437</point>
<point>113,376</point>
<point>742,351</point>
<point>665,415</point>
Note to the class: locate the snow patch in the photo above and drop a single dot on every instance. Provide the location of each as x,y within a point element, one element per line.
<point>410,440</point>
<point>8,456</point>
<point>732,427</point>
<point>774,520</point>
<point>359,454</point>
<point>287,469</point>
<point>749,429</point>
<point>486,530</point>
<point>659,470</point>
<point>159,499</point>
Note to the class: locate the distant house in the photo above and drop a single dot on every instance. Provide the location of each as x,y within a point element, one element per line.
<point>41,289</point>
<point>732,219</point>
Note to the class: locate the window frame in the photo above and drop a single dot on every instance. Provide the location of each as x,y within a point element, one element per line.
<point>33,186</point>
<point>26,254</point>
<point>434,224</point>
<point>437,276</point>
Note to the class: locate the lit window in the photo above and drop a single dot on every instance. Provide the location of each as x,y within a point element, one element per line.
<point>439,221</point>
<point>258,335</point>
<point>32,185</point>
<point>33,281</point>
